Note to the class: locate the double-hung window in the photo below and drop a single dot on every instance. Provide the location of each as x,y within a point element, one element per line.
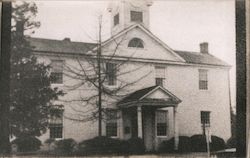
<point>159,75</point>
<point>203,79</point>
<point>56,123</point>
<point>57,71</point>
<point>111,73</point>
<point>111,123</point>
<point>205,120</point>
<point>161,123</point>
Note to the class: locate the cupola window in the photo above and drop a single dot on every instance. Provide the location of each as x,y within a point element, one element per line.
<point>136,16</point>
<point>116,19</point>
<point>136,43</point>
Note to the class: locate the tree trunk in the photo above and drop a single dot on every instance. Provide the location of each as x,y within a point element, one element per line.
<point>5,77</point>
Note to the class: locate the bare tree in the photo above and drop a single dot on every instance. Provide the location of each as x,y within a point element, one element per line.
<point>96,68</point>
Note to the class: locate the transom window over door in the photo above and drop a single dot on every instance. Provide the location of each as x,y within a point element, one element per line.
<point>136,16</point>
<point>57,71</point>
<point>159,75</point>
<point>161,123</point>
<point>203,79</point>
<point>136,43</point>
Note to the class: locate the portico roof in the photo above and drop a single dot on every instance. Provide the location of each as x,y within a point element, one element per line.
<point>151,96</point>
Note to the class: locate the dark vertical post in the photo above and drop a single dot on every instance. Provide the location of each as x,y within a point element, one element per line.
<point>241,78</point>
<point>99,80</point>
<point>5,77</point>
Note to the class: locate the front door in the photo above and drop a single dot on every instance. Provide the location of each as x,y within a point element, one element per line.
<point>149,128</point>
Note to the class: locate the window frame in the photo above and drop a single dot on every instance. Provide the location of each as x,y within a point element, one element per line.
<point>136,16</point>
<point>205,118</point>
<point>139,44</point>
<point>111,75</point>
<point>166,124</point>
<point>54,123</point>
<point>116,19</point>
<point>111,123</point>
<point>159,77</point>
<point>56,73</point>
<point>203,83</point>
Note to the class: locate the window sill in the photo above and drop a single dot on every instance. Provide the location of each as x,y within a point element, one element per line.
<point>161,136</point>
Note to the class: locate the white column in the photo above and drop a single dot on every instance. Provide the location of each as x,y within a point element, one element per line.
<point>139,121</point>
<point>121,134</point>
<point>176,129</point>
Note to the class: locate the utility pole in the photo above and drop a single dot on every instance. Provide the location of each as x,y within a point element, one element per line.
<point>99,50</point>
<point>5,76</point>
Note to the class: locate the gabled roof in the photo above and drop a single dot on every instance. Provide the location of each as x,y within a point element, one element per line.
<point>60,46</point>
<point>141,96</point>
<point>70,47</point>
<point>148,33</point>
<point>199,58</point>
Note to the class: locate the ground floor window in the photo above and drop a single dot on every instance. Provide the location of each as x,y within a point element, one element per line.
<point>161,123</point>
<point>205,120</point>
<point>56,123</point>
<point>111,123</point>
<point>55,131</point>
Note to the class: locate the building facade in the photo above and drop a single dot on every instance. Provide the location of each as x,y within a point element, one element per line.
<point>149,90</point>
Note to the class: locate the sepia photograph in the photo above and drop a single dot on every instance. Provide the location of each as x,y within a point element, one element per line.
<point>123,78</point>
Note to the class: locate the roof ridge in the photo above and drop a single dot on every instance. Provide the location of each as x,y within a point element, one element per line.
<point>49,39</point>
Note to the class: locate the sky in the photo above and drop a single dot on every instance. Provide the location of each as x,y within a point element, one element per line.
<point>181,24</point>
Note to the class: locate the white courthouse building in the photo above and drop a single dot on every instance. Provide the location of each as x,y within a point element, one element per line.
<point>172,93</point>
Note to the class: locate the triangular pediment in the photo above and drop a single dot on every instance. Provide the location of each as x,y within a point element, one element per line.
<point>160,93</point>
<point>154,48</point>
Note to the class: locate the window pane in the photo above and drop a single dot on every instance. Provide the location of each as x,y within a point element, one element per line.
<point>205,117</point>
<point>57,65</point>
<point>203,79</point>
<point>56,123</point>
<point>136,16</point>
<point>116,19</point>
<point>161,123</point>
<point>159,81</point>
<point>111,73</point>
<point>136,42</point>
<point>57,77</point>
<point>111,123</point>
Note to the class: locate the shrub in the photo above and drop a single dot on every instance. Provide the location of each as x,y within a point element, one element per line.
<point>168,146</point>
<point>106,145</point>
<point>198,143</point>
<point>101,145</point>
<point>65,147</point>
<point>217,144</point>
<point>231,142</point>
<point>27,143</point>
<point>135,146</point>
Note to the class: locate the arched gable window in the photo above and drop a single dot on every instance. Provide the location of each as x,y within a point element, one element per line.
<point>136,42</point>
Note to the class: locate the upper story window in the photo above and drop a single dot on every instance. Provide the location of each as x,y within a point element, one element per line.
<point>57,71</point>
<point>111,123</point>
<point>136,16</point>
<point>116,19</point>
<point>136,43</point>
<point>56,123</point>
<point>203,79</point>
<point>161,123</point>
<point>159,75</point>
<point>205,120</point>
<point>111,73</point>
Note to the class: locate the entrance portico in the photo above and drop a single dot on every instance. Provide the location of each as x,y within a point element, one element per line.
<point>145,115</point>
